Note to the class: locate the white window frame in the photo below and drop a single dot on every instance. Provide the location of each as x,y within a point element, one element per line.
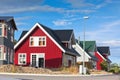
<point>36,41</point>
<point>12,34</point>
<point>1,50</point>
<point>22,57</point>
<point>1,27</point>
<point>38,55</point>
<point>5,26</point>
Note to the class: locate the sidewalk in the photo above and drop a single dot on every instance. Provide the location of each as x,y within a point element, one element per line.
<point>66,75</point>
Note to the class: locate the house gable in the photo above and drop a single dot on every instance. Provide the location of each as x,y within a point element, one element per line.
<point>30,31</point>
<point>81,51</point>
<point>101,56</point>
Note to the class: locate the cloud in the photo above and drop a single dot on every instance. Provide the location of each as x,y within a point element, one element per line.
<point>61,23</point>
<point>44,8</point>
<point>78,3</point>
<point>104,3</point>
<point>13,6</point>
<point>65,22</point>
<point>113,43</point>
<point>80,11</point>
<point>105,30</point>
<point>23,18</point>
<point>87,4</point>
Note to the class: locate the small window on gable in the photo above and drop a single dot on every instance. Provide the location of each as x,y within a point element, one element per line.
<point>31,41</point>
<point>39,41</point>
<point>42,41</point>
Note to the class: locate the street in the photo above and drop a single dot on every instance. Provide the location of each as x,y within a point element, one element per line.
<point>57,77</point>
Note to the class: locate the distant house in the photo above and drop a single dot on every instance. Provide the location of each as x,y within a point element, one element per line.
<point>104,52</point>
<point>7,29</point>
<point>89,54</point>
<point>44,47</point>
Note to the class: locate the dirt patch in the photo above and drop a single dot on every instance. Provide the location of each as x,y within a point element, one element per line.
<point>99,72</point>
<point>20,69</point>
<point>33,70</point>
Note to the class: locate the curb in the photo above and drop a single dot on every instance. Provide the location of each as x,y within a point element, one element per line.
<point>65,75</point>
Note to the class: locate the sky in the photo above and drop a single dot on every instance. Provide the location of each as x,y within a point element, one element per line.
<point>103,24</point>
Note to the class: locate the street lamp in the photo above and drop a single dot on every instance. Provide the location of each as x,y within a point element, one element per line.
<point>85,17</point>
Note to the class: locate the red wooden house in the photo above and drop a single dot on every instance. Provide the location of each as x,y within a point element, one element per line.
<point>44,47</point>
<point>100,60</point>
<point>102,54</point>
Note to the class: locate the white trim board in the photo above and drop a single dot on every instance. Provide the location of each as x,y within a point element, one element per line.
<point>101,56</point>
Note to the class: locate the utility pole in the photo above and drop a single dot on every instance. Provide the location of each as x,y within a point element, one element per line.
<point>85,17</point>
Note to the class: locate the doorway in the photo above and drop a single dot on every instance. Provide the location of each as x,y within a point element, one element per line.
<point>37,60</point>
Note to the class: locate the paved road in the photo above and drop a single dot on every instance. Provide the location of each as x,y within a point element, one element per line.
<point>44,77</point>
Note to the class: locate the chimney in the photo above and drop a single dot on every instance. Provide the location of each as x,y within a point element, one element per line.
<point>79,40</point>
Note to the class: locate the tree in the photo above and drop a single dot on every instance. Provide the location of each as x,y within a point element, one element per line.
<point>104,65</point>
<point>15,41</point>
<point>115,68</point>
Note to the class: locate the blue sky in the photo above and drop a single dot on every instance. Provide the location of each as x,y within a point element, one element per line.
<point>103,24</point>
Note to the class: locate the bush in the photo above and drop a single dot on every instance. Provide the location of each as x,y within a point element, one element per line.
<point>104,65</point>
<point>115,70</point>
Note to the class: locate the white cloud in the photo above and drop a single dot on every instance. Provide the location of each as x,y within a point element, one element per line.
<point>68,21</point>
<point>14,6</point>
<point>79,3</point>
<point>80,11</point>
<point>44,8</point>
<point>86,4</point>
<point>105,30</point>
<point>23,18</point>
<point>61,23</point>
<point>113,43</point>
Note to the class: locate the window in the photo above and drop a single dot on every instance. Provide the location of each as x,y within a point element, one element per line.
<point>0,52</point>
<point>12,34</point>
<point>22,58</point>
<point>31,41</point>
<point>42,41</point>
<point>39,41</point>
<point>0,31</point>
<point>0,25</point>
<point>5,30</point>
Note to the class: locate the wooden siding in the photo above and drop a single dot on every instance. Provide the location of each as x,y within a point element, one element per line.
<point>100,59</point>
<point>53,55</point>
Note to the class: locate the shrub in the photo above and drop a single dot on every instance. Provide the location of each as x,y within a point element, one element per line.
<point>115,70</point>
<point>104,65</point>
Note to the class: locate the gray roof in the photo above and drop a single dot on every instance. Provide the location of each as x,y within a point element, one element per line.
<point>8,19</point>
<point>23,33</point>
<point>104,50</point>
<point>64,35</point>
<point>57,37</point>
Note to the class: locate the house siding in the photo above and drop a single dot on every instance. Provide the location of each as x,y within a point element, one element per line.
<point>53,54</point>
<point>9,48</point>
<point>100,59</point>
<point>68,60</point>
<point>80,51</point>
